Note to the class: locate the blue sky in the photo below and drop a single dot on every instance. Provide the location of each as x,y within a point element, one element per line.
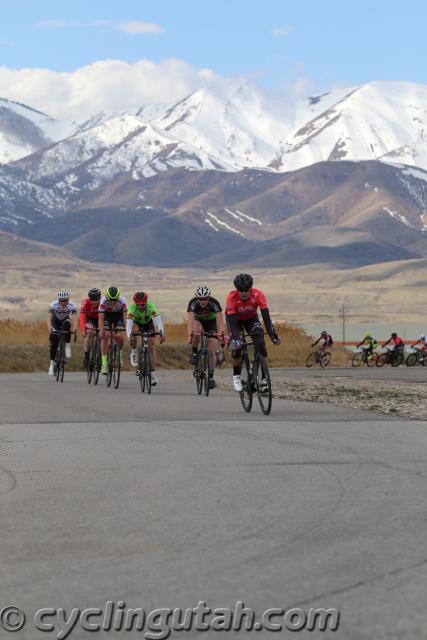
<point>282,45</point>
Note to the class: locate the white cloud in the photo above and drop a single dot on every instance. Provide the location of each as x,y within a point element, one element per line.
<point>281,32</point>
<point>57,24</point>
<point>141,28</point>
<point>106,85</point>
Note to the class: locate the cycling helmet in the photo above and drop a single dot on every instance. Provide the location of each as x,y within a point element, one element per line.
<point>63,295</point>
<point>203,291</point>
<point>94,294</point>
<point>243,282</point>
<point>324,333</point>
<point>394,334</point>
<point>140,297</point>
<point>367,335</point>
<point>112,293</point>
<point>422,336</point>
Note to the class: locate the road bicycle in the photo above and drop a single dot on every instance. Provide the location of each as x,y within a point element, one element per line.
<point>114,363</point>
<point>320,357</point>
<point>202,368</point>
<point>390,356</point>
<point>144,359</point>
<point>94,361</point>
<point>417,356</point>
<point>59,362</point>
<point>364,357</point>
<point>255,377</point>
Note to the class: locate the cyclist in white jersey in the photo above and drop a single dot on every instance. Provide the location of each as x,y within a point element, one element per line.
<point>62,314</point>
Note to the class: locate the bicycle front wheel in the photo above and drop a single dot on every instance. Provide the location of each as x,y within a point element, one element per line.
<point>199,372</point>
<point>206,371</point>
<point>263,385</point>
<point>116,367</point>
<point>97,364</point>
<point>411,360</point>
<point>246,393</point>
<point>311,360</point>
<point>357,359</point>
<point>90,365</point>
<point>147,371</point>
<point>397,359</point>
<point>381,360</point>
<point>325,359</point>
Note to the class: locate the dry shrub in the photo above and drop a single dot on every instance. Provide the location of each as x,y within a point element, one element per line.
<point>24,347</point>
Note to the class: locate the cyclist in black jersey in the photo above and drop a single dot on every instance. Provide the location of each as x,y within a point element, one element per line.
<point>204,312</point>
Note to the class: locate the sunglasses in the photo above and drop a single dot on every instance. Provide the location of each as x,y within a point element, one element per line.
<point>203,299</point>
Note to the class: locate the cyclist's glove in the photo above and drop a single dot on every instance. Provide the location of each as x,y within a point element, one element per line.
<point>274,336</point>
<point>235,344</point>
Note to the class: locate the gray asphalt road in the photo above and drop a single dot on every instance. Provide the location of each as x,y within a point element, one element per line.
<point>168,500</point>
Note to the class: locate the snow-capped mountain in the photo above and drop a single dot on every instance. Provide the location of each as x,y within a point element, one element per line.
<point>24,130</point>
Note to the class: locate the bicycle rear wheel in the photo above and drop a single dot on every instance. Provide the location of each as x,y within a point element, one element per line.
<point>246,395</point>
<point>262,381</point>
<point>207,369</point>
<point>116,367</point>
<point>397,359</point>
<point>311,360</point>
<point>357,359</point>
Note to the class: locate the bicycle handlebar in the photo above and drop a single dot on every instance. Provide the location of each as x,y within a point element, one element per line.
<point>150,334</point>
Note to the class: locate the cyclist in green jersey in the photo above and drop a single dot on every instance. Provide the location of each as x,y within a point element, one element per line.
<point>369,342</point>
<point>143,315</point>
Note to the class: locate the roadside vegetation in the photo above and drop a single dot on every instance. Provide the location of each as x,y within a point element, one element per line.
<point>24,347</point>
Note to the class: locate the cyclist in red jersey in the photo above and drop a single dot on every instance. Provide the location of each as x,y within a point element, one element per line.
<point>89,310</point>
<point>242,313</point>
<point>399,345</point>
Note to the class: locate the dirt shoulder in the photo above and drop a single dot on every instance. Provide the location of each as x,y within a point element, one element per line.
<point>399,398</point>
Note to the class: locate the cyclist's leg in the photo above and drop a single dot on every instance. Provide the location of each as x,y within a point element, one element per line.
<point>236,355</point>
<point>256,331</point>
<point>133,344</point>
<point>211,327</point>
<point>105,342</point>
<point>119,323</point>
<point>53,340</point>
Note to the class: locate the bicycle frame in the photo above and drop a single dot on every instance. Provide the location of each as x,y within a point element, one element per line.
<point>144,359</point>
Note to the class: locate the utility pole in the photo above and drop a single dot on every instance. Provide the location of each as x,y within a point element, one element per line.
<point>343,317</point>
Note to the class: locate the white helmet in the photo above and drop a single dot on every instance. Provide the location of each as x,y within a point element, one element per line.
<point>422,336</point>
<point>63,295</point>
<point>203,291</point>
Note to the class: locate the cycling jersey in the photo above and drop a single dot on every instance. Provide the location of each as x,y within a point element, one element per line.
<point>207,312</point>
<point>245,309</point>
<point>112,306</point>
<point>61,313</point>
<point>144,315</point>
<point>398,342</point>
<point>328,341</point>
<point>89,310</point>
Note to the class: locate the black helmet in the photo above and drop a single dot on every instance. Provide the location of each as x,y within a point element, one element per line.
<point>394,334</point>
<point>94,294</point>
<point>112,293</point>
<point>243,282</point>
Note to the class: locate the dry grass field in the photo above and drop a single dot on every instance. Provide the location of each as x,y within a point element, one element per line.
<point>24,347</point>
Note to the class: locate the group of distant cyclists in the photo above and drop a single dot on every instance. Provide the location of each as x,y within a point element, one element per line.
<point>100,313</point>
<point>369,344</point>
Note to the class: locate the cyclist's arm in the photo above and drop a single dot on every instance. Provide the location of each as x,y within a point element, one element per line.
<point>317,342</point>
<point>83,320</point>
<point>49,321</point>
<point>220,322</point>
<point>386,343</point>
<point>129,324</point>
<point>159,325</point>
<point>101,317</point>
<point>75,320</point>
<point>190,323</point>
<point>233,325</point>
